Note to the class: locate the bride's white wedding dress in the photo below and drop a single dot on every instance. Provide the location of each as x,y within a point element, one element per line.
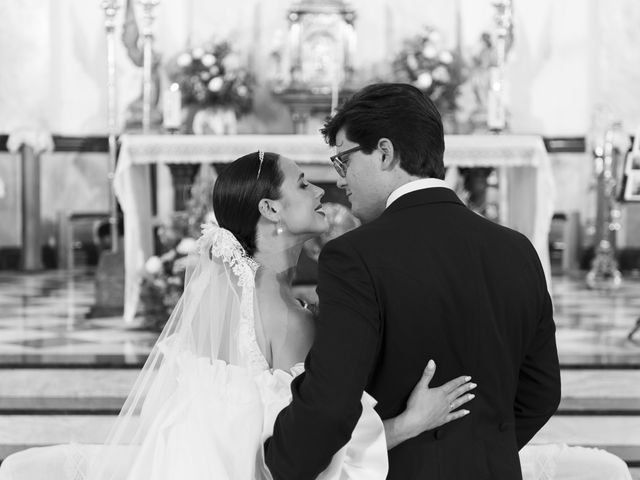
<point>207,400</point>
<point>557,461</point>
<point>213,427</point>
<point>216,423</point>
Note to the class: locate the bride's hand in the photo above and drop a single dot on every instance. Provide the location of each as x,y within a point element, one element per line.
<point>429,408</point>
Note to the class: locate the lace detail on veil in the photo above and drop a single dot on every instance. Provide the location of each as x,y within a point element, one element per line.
<point>224,245</point>
<point>221,243</point>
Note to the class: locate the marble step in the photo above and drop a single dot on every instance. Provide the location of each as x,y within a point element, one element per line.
<point>102,391</point>
<point>618,435</point>
<point>49,391</point>
<point>46,406</point>
<point>110,405</point>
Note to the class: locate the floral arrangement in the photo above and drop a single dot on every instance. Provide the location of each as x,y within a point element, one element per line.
<point>438,72</point>
<point>162,279</point>
<point>212,75</point>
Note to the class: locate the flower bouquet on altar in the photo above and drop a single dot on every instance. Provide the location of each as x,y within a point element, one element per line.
<point>425,63</point>
<point>162,279</point>
<point>212,79</point>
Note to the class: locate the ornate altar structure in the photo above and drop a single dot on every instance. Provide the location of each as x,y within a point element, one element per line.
<point>527,189</point>
<point>321,51</point>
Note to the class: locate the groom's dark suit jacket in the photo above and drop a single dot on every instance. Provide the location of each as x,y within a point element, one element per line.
<point>428,279</point>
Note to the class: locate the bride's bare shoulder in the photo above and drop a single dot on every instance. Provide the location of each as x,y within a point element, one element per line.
<point>290,332</point>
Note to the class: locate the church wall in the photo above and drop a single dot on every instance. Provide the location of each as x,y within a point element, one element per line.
<point>72,183</point>
<point>567,56</point>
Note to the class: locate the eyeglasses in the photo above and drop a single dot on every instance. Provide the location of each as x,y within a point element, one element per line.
<point>340,161</point>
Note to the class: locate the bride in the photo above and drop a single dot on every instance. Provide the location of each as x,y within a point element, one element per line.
<point>220,373</point>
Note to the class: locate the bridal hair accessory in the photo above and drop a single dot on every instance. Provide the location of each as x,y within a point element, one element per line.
<point>261,158</point>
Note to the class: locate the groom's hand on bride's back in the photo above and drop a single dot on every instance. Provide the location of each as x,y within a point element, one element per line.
<point>430,407</point>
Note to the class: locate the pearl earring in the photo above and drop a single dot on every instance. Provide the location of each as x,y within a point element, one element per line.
<point>279,228</point>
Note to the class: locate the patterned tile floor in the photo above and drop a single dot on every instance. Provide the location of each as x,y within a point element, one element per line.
<point>42,323</point>
<point>592,326</point>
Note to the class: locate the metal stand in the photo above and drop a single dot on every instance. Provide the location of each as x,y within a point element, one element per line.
<point>496,103</point>
<point>110,10</point>
<point>634,330</point>
<point>109,276</point>
<point>148,18</point>
<point>604,273</point>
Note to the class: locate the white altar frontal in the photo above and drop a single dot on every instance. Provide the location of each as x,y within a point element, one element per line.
<point>527,188</point>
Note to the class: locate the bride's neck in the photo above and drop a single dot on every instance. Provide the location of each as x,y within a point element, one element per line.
<point>278,258</point>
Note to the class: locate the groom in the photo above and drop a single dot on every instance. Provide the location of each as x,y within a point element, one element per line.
<point>423,278</point>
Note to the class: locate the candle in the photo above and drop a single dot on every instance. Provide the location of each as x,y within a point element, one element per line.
<point>189,18</point>
<point>172,108</point>
<point>495,102</point>
<point>334,89</point>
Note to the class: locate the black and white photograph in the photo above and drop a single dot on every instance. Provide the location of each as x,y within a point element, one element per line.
<point>633,161</point>
<point>320,239</point>
<point>632,189</point>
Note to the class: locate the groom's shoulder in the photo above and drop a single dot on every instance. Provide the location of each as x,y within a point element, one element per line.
<point>363,235</point>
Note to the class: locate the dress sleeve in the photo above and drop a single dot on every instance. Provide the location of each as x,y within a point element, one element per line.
<point>326,402</point>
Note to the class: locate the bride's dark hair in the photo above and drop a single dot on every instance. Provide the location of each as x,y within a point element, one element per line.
<point>239,188</point>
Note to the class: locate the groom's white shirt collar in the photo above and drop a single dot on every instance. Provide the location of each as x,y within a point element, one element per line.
<point>415,185</point>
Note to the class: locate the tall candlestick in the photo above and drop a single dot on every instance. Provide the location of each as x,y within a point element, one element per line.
<point>189,15</point>
<point>294,50</point>
<point>350,48</point>
<point>334,89</point>
<point>148,17</point>
<point>110,8</point>
<point>608,152</point>
<point>496,112</point>
<point>496,108</point>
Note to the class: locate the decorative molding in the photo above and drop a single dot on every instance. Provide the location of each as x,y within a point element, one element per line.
<point>70,144</point>
<point>81,144</point>
<point>565,144</point>
<point>101,144</point>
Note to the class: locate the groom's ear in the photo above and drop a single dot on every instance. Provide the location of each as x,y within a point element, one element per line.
<point>270,209</point>
<point>387,160</point>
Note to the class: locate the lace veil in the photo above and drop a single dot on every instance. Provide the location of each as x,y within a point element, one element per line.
<point>208,329</point>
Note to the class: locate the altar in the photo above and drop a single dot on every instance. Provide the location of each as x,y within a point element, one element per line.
<point>527,188</point>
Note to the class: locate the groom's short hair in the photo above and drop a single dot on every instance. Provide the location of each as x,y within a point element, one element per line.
<point>399,112</point>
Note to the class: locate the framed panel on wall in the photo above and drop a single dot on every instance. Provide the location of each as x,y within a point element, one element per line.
<point>632,172</point>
